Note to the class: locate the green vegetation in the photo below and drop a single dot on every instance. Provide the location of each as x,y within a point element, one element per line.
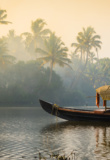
<point>38,65</point>
<point>87,41</point>
<point>55,53</point>
<point>36,38</point>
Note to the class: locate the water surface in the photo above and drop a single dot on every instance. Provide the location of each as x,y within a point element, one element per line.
<point>27,131</point>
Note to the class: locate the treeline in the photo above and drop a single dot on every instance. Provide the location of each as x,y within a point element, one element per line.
<point>38,65</point>
<point>24,83</point>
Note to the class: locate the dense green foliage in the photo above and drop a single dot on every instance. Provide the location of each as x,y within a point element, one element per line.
<point>37,66</point>
<point>25,83</point>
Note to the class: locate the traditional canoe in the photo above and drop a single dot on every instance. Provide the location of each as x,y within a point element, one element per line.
<point>76,114</point>
<point>80,114</point>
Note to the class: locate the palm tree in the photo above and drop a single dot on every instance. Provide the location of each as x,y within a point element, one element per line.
<point>92,58</point>
<point>87,41</point>
<point>79,48</point>
<point>16,46</point>
<point>55,53</point>
<point>93,73</point>
<point>38,30</point>
<point>36,38</point>
<point>5,58</point>
<point>3,15</point>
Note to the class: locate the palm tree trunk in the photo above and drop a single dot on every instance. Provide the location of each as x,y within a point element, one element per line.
<point>51,69</point>
<point>97,56</point>
<point>86,59</point>
<point>80,72</point>
<point>81,56</point>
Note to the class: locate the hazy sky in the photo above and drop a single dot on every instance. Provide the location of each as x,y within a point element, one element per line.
<point>65,17</point>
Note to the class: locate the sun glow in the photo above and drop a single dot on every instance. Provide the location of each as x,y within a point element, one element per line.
<point>64,17</point>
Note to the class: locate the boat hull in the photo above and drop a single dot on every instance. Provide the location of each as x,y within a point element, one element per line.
<point>75,114</point>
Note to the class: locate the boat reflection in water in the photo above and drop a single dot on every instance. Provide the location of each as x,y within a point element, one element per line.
<point>88,141</point>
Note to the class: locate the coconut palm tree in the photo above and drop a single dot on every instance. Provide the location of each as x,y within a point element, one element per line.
<point>38,30</point>
<point>5,58</point>
<point>79,48</point>
<point>16,46</point>
<point>92,57</point>
<point>55,53</point>
<point>87,40</point>
<point>3,16</point>
<point>36,38</point>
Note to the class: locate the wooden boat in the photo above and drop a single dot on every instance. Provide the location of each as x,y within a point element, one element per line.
<point>75,114</point>
<point>80,114</point>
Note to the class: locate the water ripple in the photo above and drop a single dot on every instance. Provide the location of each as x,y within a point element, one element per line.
<point>24,133</point>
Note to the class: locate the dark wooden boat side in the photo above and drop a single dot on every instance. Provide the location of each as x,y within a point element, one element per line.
<point>75,114</point>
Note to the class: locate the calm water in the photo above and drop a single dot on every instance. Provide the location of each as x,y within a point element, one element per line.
<point>26,132</point>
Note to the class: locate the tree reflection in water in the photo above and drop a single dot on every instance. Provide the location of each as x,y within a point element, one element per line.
<point>102,149</point>
<point>87,140</point>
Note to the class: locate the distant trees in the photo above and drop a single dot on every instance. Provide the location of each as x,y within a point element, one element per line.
<point>36,38</point>
<point>5,58</point>
<point>16,46</point>
<point>26,82</point>
<point>93,74</point>
<point>104,70</point>
<point>87,42</point>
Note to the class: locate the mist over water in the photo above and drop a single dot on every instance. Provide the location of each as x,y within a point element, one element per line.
<point>51,50</point>
<point>25,132</point>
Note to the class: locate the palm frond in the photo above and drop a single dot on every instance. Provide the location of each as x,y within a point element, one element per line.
<point>45,32</point>
<point>3,15</point>
<point>39,50</point>
<point>5,22</point>
<point>62,63</point>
